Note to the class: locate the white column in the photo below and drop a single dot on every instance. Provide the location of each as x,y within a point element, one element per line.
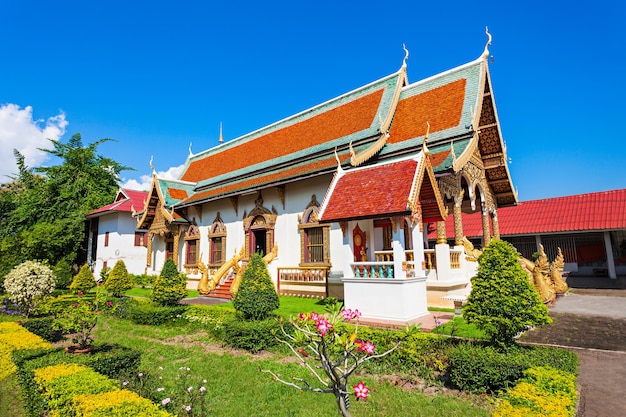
<point>417,236</point>
<point>348,252</point>
<point>399,256</point>
<point>538,242</point>
<point>610,261</point>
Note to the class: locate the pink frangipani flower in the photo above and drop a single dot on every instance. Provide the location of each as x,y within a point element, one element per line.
<point>323,326</point>
<point>349,314</point>
<point>367,347</point>
<point>361,391</point>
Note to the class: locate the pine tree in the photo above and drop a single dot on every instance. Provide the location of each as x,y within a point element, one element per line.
<point>118,280</point>
<point>62,274</point>
<point>170,286</point>
<point>256,297</point>
<point>84,280</point>
<point>503,302</point>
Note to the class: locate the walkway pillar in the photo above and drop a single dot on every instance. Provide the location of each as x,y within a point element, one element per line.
<point>486,228</point>
<point>610,261</point>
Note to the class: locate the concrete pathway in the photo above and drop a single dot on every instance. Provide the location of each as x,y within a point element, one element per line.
<point>602,373</point>
<point>590,305</point>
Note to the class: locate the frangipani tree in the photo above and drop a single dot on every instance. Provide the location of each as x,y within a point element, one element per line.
<point>331,352</point>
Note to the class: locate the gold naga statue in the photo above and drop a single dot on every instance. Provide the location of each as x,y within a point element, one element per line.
<point>547,278</point>
<point>206,284</point>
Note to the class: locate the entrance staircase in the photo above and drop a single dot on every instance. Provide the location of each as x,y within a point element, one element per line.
<point>222,291</point>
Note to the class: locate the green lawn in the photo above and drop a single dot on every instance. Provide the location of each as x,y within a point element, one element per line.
<point>236,387</point>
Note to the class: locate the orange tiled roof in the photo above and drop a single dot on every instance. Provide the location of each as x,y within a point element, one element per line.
<point>441,107</point>
<point>177,194</point>
<point>335,123</point>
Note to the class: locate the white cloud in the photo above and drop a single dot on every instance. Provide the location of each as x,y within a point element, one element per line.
<point>18,130</point>
<point>144,182</point>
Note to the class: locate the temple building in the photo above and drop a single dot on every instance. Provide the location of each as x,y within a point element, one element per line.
<point>338,198</point>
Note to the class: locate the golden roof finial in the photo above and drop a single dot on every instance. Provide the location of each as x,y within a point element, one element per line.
<point>424,148</point>
<point>406,55</point>
<point>485,54</point>
<point>221,139</point>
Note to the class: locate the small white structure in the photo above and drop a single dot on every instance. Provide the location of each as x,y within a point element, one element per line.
<point>113,234</point>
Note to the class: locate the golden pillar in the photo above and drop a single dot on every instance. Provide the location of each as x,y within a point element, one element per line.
<point>486,228</point>
<point>149,255</point>
<point>458,226</point>
<point>496,226</point>
<point>441,233</point>
<point>176,242</point>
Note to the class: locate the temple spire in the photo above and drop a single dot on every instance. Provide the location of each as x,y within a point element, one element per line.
<point>221,139</point>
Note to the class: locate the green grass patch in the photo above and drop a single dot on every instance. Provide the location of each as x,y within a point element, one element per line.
<point>460,328</point>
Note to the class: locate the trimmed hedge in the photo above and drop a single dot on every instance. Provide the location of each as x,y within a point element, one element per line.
<point>481,368</point>
<point>108,360</point>
<point>42,327</point>
<point>147,312</point>
<point>252,336</point>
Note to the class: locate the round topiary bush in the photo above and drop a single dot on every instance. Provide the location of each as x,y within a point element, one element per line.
<point>170,286</point>
<point>84,280</point>
<point>503,302</point>
<point>256,297</point>
<point>118,280</point>
<point>28,283</point>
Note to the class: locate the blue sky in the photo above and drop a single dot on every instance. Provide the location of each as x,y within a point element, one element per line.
<point>157,75</point>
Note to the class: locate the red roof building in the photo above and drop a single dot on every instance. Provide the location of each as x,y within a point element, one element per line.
<point>589,228</point>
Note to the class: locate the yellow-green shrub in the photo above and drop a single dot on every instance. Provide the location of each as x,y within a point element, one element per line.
<point>117,403</point>
<point>59,384</point>
<point>76,390</point>
<point>15,337</point>
<point>543,391</point>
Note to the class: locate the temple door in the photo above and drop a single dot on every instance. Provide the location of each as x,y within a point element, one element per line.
<point>360,244</point>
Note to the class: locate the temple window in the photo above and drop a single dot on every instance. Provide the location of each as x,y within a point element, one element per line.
<point>141,239</point>
<point>217,240</point>
<point>192,237</point>
<point>106,239</point>
<point>314,237</point>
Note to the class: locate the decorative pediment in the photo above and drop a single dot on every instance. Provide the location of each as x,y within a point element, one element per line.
<point>260,215</point>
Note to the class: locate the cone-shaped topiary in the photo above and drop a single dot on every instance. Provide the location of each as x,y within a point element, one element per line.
<point>62,274</point>
<point>170,286</point>
<point>118,280</point>
<point>84,280</point>
<point>503,302</point>
<point>256,297</point>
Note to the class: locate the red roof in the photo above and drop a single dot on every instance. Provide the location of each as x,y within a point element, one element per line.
<point>371,192</point>
<point>125,200</point>
<point>605,210</point>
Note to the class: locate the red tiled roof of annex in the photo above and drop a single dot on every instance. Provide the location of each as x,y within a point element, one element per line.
<point>605,210</point>
<point>135,198</point>
<point>378,190</point>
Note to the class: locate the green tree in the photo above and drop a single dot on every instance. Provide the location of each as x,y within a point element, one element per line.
<point>503,302</point>
<point>84,280</point>
<point>256,297</point>
<point>43,208</point>
<point>118,280</point>
<point>170,286</point>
